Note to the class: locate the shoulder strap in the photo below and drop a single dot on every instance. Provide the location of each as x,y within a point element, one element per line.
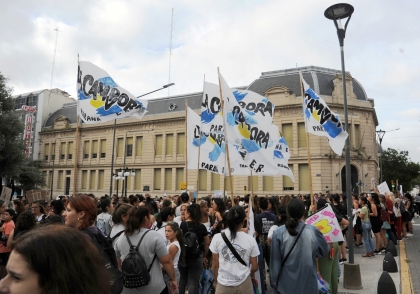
<point>138,245</point>
<point>116,236</point>
<point>232,249</point>
<point>293,246</point>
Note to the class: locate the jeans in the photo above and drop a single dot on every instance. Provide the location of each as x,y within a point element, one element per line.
<point>367,237</point>
<point>261,268</point>
<point>190,274</point>
<point>167,279</point>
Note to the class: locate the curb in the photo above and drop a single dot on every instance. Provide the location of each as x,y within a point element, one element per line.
<point>405,276</point>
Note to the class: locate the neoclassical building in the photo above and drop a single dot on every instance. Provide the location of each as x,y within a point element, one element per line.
<point>156,144</point>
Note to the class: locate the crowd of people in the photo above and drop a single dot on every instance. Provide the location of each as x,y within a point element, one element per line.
<point>87,244</point>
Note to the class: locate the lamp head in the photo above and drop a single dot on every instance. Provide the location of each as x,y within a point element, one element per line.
<point>168,85</point>
<point>339,11</point>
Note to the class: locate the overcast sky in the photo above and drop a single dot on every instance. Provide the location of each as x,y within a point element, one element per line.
<point>130,40</point>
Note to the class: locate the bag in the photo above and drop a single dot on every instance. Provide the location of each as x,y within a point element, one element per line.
<point>110,260</point>
<point>100,224</point>
<point>192,246</point>
<point>134,270</point>
<point>384,215</point>
<point>233,250</point>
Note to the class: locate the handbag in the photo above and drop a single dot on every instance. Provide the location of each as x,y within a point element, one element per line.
<point>232,249</point>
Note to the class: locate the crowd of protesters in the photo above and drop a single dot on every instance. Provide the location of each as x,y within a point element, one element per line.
<point>59,246</point>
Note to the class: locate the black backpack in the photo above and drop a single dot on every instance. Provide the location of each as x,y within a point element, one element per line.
<point>192,246</point>
<point>111,240</point>
<point>110,260</point>
<point>134,270</point>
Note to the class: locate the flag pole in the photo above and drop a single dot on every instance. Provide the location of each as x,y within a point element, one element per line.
<point>307,144</point>
<point>77,138</point>
<point>226,144</point>
<point>186,146</point>
<point>112,159</point>
<point>199,149</point>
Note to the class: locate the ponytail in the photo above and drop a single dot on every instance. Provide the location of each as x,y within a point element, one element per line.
<point>295,211</point>
<point>235,217</point>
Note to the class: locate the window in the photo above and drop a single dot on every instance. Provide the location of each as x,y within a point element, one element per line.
<point>62,150</point>
<point>130,146</point>
<point>254,184</point>
<point>180,143</point>
<point>68,172</point>
<point>215,181</point>
<point>95,149</point>
<point>84,179</point>
<point>303,177</point>
<point>20,102</point>
<point>86,150</point>
<point>46,151</point>
<point>103,148</point>
<point>357,136</point>
<point>44,176</point>
<point>227,183</point>
<point>139,146</point>
<point>32,100</point>
<point>169,147</point>
<point>70,151</point>
<point>301,136</point>
<point>202,180</point>
<point>92,184</point>
<point>268,183</point>
<point>120,147</point>
<point>137,180</point>
<point>287,131</point>
<point>128,179</point>
<point>287,182</point>
<point>60,179</point>
<point>101,178</point>
<point>158,145</point>
<point>179,178</point>
<point>157,179</point>
<point>53,151</point>
<point>168,179</point>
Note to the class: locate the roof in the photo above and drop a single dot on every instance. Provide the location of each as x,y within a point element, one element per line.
<point>34,93</point>
<point>320,79</point>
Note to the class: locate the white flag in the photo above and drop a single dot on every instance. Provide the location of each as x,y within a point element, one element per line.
<point>101,99</point>
<point>194,138</point>
<point>321,121</point>
<point>255,105</point>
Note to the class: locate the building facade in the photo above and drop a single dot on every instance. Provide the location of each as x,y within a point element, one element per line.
<point>156,151</point>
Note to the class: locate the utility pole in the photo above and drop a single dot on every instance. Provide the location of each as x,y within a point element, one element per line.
<point>170,48</point>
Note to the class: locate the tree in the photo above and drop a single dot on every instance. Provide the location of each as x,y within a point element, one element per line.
<point>396,165</point>
<point>14,166</point>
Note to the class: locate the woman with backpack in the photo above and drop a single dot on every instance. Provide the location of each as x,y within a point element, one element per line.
<point>119,218</point>
<point>364,216</point>
<point>386,225</point>
<point>197,245</point>
<point>294,248</point>
<point>149,254</point>
<point>233,251</point>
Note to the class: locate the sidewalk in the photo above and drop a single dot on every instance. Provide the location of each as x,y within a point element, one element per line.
<point>370,271</point>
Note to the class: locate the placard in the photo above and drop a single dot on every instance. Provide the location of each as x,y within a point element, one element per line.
<point>218,193</point>
<point>327,223</point>
<point>383,188</point>
<point>6,193</point>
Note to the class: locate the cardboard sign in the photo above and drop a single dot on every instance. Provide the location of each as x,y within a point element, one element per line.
<point>218,193</point>
<point>326,221</point>
<point>383,188</point>
<point>6,193</point>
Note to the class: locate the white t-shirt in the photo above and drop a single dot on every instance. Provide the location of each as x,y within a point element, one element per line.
<point>115,230</point>
<point>271,231</point>
<point>178,211</point>
<point>177,255</point>
<point>231,271</point>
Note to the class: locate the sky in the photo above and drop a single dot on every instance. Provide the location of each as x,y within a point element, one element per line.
<point>131,41</point>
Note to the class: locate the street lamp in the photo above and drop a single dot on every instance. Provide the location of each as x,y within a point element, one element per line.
<point>381,135</point>
<point>126,175</point>
<point>337,12</point>
<point>115,129</point>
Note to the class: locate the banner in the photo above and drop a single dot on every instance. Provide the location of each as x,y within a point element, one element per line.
<point>321,121</point>
<point>383,188</point>
<point>101,99</point>
<point>326,221</point>
<point>193,138</point>
<point>255,105</point>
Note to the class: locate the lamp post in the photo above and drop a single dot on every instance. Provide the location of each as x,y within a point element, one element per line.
<point>52,172</point>
<point>381,135</point>
<point>115,128</point>
<point>126,175</point>
<point>337,12</point>
<point>117,176</point>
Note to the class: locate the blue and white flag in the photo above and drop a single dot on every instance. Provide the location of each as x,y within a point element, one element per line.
<point>255,105</point>
<point>321,121</point>
<point>100,98</point>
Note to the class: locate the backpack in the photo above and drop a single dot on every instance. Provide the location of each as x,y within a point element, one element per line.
<point>100,224</point>
<point>111,240</point>
<point>110,260</point>
<point>134,270</point>
<point>384,215</point>
<point>192,246</point>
